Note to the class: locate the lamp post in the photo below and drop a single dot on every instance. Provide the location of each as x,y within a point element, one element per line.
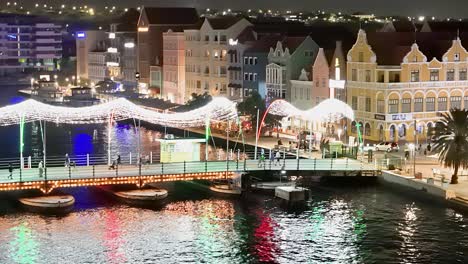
<point>415,145</point>
<point>256,133</point>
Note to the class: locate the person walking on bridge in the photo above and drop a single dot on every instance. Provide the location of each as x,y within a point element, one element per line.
<point>278,158</point>
<point>40,166</point>
<point>10,169</point>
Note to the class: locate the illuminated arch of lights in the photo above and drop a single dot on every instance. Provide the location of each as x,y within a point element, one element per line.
<point>218,108</point>
<point>328,110</point>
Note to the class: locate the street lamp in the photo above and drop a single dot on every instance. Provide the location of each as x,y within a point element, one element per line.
<point>415,132</point>
<point>256,133</point>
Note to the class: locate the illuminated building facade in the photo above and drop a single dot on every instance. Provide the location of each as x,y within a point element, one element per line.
<point>396,80</point>
<point>29,43</point>
<point>153,22</point>
<point>206,56</point>
<point>174,67</point>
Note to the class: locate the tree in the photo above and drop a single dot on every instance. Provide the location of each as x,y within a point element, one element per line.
<point>249,107</point>
<point>451,135</point>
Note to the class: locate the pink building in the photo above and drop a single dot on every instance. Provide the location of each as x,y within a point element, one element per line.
<point>174,67</point>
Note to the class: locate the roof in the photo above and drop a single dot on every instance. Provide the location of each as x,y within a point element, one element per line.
<point>264,44</point>
<point>246,35</point>
<point>223,22</point>
<point>392,47</point>
<point>292,43</point>
<point>171,15</point>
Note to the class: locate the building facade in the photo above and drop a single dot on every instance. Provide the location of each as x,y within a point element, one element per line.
<point>398,91</point>
<point>27,43</point>
<point>311,87</point>
<point>174,67</point>
<point>86,42</point>
<point>206,54</point>
<point>152,24</point>
<point>285,63</point>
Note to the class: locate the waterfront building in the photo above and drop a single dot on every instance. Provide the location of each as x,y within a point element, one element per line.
<point>29,43</point>
<point>121,59</point>
<point>89,64</point>
<point>206,56</point>
<point>152,24</point>
<point>311,87</point>
<point>397,80</point>
<point>285,63</point>
<point>174,67</point>
<point>254,64</point>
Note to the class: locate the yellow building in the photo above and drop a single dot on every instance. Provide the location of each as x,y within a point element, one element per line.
<point>395,80</point>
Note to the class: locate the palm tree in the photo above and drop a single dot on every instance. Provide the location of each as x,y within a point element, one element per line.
<point>451,135</point>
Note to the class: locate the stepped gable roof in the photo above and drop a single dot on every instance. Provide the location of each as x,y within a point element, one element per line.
<point>223,22</point>
<point>171,15</point>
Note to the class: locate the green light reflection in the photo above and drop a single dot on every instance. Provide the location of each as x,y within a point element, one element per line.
<point>24,248</point>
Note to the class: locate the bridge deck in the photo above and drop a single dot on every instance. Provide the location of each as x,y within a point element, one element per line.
<point>101,174</point>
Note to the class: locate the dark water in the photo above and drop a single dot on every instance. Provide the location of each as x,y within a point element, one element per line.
<point>337,225</point>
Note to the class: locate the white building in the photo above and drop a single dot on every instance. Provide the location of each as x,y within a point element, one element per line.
<point>206,55</point>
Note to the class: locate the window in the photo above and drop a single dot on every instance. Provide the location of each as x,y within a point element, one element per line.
<point>354,75</point>
<point>361,56</point>
<point>451,75</point>
<point>353,102</point>
<point>255,60</point>
<point>434,75</point>
<point>368,75</point>
<point>415,59</point>
<point>442,104</point>
<point>455,102</point>
<point>207,38</point>
<point>380,106</point>
<point>466,102</point>
<point>246,76</point>
<point>254,77</point>
<point>368,104</point>
<point>246,60</point>
<point>418,104</point>
<point>406,105</point>
<point>462,75</point>
<point>367,129</point>
<point>198,84</point>
<point>415,76</point>
<point>308,53</point>
<point>393,106</point>
<point>430,104</point>
<point>250,60</point>
<point>456,57</point>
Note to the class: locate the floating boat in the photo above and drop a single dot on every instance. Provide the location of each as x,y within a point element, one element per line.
<point>143,196</point>
<point>225,189</point>
<point>49,204</point>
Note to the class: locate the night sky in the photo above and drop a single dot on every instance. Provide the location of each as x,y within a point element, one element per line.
<point>438,8</point>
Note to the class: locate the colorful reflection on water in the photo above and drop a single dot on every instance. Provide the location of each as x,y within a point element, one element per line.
<point>339,225</point>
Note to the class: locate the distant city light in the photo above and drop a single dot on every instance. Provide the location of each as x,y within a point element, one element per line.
<point>112,35</point>
<point>129,45</point>
<point>80,34</point>
<point>112,50</point>
<point>421,18</point>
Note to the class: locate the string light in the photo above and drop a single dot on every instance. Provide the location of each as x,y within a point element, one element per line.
<point>219,108</point>
<point>328,108</point>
